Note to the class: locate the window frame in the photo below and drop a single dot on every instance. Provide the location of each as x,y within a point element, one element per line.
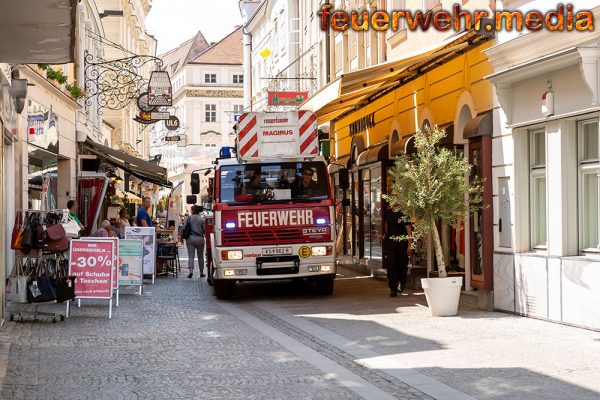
<point>210,112</point>
<point>585,167</point>
<point>208,78</point>
<point>238,78</point>
<point>536,172</point>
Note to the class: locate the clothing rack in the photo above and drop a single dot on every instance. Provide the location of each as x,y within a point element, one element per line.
<point>38,254</point>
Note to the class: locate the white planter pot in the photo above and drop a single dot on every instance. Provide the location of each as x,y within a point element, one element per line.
<point>443,295</point>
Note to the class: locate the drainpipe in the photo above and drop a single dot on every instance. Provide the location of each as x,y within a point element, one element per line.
<point>247,62</point>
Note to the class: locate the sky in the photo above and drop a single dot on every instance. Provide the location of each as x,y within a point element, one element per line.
<point>172,22</point>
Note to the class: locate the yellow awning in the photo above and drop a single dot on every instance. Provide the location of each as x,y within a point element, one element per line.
<point>350,89</point>
<point>132,198</point>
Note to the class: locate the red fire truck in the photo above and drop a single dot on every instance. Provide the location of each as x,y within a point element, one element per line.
<point>273,206</point>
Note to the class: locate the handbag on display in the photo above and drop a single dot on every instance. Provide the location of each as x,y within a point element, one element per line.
<point>57,241</point>
<point>18,284</point>
<point>30,234</point>
<point>41,288</point>
<point>70,226</point>
<point>16,241</point>
<point>65,285</point>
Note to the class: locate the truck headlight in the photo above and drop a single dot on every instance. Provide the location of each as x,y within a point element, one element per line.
<point>321,250</point>
<point>232,255</point>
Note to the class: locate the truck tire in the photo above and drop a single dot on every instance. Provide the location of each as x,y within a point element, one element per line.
<point>324,285</point>
<point>223,288</point>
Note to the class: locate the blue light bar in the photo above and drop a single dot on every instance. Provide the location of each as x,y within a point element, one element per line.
<point>321,221</point>
<point>230,225</point>
<point>225,152</point>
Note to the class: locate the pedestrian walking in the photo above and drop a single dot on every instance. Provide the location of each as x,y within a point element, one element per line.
<point>396,252</point>
<point>193,233</point>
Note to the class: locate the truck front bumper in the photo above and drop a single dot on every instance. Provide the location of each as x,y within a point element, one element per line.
<point>265,267</point>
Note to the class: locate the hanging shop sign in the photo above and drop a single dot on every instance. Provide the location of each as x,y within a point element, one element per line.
<point>172,138</point>
<point>157,115</point>
<point>160,91</point>
<point>148,236</point>
<point>172,123</point>
<point>42,127</point>
<point>131,260</point>
<point>142,103</point>
<point>286,98</point>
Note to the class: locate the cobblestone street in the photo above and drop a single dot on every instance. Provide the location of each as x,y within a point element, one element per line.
<point>279,341</point>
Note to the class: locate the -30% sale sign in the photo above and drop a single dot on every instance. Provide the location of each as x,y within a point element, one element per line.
<point>92,262</point>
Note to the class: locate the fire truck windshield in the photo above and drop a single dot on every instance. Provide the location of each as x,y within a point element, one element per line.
<point>273,182</point>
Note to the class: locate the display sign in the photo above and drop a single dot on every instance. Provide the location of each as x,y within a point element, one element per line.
<point>160,91</point>
<point>92,262</point>
<point>42,127</point>
<point>115,240</point>
<point>286,98</point>
<point>148,237</point>
<point>172,123</point>
<point>277,134</point>
<point>131,259</point>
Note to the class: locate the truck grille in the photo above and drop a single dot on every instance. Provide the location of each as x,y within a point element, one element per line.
<point>267,236</point>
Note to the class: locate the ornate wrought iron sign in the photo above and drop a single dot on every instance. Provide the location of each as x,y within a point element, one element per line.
<point>115,84</point>
<point>160,91</point>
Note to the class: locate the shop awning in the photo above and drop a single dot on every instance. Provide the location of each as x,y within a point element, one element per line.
<point>139,168</point>
<point>482,125</point>
<point>128,197</point>
<point>132,198</point>
<point>37,31</point>
<point>373,154</point>
<point>352,88</point>
<point>342,162</point>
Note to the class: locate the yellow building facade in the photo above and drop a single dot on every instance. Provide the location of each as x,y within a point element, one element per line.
<point>449,91</point>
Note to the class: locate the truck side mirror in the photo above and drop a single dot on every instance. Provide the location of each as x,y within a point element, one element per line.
<point>195,183</point>
<point>344,179</point>
<point>191,199</point>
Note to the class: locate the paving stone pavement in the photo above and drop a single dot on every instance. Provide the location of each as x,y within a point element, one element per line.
<point>178,342</point>
<point>174,342</point>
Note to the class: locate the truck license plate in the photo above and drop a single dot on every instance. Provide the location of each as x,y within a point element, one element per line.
<point>277,251</point>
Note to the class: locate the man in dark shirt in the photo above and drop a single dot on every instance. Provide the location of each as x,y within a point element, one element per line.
<point>396,252</point>
<point>143,217</point>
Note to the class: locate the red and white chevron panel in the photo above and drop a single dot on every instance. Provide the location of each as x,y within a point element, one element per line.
<point>277,134</point>
<point>247,135</point>
<point>309,136</point>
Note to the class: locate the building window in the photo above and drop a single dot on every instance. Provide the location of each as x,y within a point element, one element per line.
<point>537,174</point>
<point>589,197</point>
<point>210,78</point>
<point>238,78</point>
<point>238,109</point>
<point>210,112</point>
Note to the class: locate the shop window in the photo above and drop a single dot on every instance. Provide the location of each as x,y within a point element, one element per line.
<point>376,215</point>
<point>366,213</point>
<point>589,168</point>
<point>537,176</point>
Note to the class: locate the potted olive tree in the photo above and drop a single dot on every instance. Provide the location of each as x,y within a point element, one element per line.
<point>428,186</point>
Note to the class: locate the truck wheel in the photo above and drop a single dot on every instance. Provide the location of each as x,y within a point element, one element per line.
<point>324,285</point>
<point>223,288</point>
